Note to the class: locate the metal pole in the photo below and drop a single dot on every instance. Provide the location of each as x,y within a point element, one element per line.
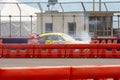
<point>74,24</point>
<point>40,7</point>
<point>62,17</point>
<point>52,16</point>
<point>20,17</point>
<point>41,17</point>
<point>95,26</point>
<point>84,15</point>
<point>99,5</point>
<point>105,6</point>
<point>93,5</point>
<point>118,26</point>
<point>31,22</point>
<point>41,23</point>
<point>83,6</point>
<point>63,23</point>
<point>10,24</point>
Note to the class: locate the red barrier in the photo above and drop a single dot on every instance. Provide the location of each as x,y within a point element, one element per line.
<point>1,41</point>
<point>53,73</point>
<point>49,51</point>
<point>81,50</point>
<point>109,51</point>
<point>17,51</point>
<point>62,73</point>
<point>60,50</point>
<point>95,41</point>
<point>95,72</point>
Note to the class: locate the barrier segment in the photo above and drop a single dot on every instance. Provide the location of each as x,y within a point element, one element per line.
<point>1,41</point>
<point>49,50</point>
<point>81,50</point>
<point>95,72</point>
<point>45,73</point>
<point>103,72</point>
<point>109,50</point>
<point>1,48</point>
<point>17,51</point>
<point>60,50</point>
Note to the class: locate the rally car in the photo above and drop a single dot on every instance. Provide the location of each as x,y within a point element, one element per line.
<point>58,38</point>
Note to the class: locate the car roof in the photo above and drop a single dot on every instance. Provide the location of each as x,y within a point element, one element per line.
<point>47,34</point>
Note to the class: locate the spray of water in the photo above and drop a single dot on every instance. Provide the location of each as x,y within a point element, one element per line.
<point>84,36</point>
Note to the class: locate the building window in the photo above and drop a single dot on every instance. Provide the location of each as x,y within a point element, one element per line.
<point>100,25</point>
<point>72,29</point>
<point>91,24</point>
<point>48,27</point>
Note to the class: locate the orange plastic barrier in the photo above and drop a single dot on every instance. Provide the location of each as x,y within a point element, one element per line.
<point>17,51</point>
<point>95,41</point>
<point>49,51</point>
<point>109,51</point>
<point>46,73</point>
<point>81,50</point>
<point>61,73</point>
<point>60,50</point>
<point>1,41</point>
<point>95,72</point>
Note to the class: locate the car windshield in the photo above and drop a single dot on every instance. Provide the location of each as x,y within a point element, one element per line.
<point>68,38</point>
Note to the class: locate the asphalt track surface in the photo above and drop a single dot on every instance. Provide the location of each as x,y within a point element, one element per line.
<point>36,62</point>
